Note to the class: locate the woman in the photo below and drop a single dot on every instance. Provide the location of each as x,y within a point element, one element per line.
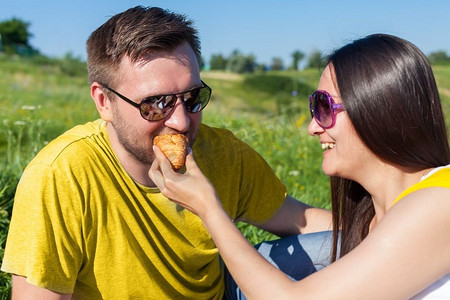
<point>378,117</point>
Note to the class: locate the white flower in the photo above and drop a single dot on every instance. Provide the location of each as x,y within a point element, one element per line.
<point>29,107</point>
<point>294,173</point>
<point>20,123</point>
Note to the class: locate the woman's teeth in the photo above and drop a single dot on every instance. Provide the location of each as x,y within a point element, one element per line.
<point>328,146</point>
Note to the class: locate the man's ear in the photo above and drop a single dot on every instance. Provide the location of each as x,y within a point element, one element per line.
<point>102,102</point>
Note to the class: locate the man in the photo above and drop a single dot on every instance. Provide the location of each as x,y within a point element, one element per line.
<point>88,221</point>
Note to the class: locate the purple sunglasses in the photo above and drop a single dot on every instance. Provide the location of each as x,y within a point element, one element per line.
<point>323,109</point>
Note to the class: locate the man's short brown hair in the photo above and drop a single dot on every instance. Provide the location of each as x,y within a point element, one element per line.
<point>135,32</point>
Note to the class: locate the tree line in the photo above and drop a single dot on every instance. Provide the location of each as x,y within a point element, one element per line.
<point>15,40</point>
<point>238,62</point>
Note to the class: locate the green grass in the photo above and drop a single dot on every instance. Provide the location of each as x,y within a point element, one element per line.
<point>40,100</point>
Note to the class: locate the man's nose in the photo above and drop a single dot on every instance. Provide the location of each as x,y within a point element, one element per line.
<point>179,118</point>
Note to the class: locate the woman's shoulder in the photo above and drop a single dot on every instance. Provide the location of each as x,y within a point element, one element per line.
<point>432,192</point>
<point>423,215</point>
<point>436,178</point>
<point>425,202</point>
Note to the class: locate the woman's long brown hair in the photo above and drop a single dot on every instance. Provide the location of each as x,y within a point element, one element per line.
<point>391,97</point>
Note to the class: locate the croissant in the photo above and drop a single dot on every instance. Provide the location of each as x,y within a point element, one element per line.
<point>174,148</point>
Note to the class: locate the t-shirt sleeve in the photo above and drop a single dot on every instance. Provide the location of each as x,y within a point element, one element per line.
<point>44,239</point>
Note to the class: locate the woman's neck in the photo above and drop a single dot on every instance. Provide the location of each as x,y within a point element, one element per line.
<point>386,183</point>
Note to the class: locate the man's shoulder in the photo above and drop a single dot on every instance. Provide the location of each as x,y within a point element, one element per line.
<point>69,143</point>
<point>207,131</point>
<point>214,137</point>
<point>220,148</point>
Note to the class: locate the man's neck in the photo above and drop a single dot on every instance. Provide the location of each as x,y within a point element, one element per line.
<point>136,169</point>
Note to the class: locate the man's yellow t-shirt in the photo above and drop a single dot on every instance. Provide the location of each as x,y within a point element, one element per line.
<point>81,225</point>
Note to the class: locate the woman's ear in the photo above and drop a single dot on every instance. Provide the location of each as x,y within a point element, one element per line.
<point>102,102</point>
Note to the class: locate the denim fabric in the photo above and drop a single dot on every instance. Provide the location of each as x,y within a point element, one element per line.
<point>297,256</point>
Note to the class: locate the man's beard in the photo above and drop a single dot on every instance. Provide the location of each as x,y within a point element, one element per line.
<point>138,148</point>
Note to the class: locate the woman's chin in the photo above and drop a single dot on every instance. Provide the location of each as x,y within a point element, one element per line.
<point>327,170</point>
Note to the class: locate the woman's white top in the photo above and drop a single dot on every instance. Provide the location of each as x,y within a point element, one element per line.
<point>438,290</point>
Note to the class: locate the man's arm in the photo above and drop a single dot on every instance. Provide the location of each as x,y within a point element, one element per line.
<point>295,217</point>
<point>21,289</point>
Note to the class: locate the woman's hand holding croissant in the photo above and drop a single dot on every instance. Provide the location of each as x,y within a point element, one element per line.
<point>192,189</point>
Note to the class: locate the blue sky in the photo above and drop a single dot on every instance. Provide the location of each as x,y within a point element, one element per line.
<point>265,28</point>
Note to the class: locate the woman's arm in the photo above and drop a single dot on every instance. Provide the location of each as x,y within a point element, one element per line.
<point>193,191</point>
<point>401,256</point>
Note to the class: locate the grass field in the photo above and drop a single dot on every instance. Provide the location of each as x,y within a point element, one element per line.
<point>40,101</point>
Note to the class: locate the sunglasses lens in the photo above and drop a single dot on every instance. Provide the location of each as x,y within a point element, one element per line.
<point>322,109</point>
<point>197,99</point>
<point>157,108</point>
